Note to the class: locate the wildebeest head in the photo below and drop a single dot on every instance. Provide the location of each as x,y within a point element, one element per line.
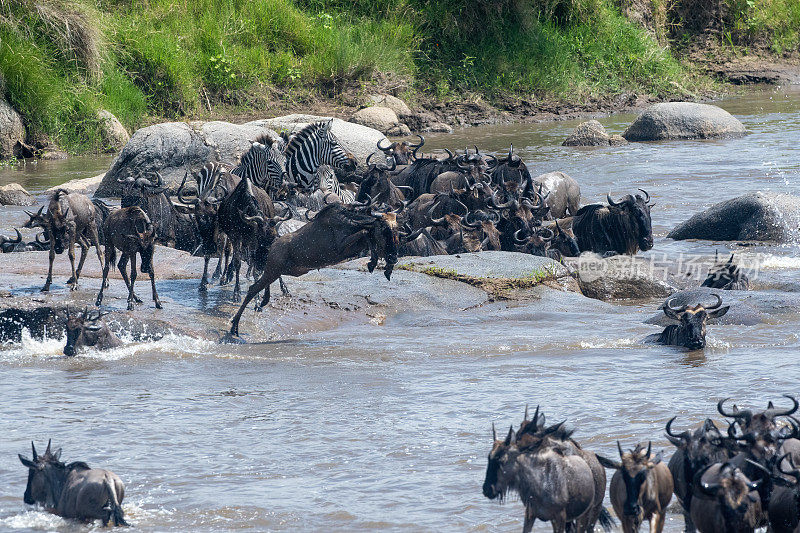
<point>9,245</point>
<point>203,209</point>
<point>36,220</point>
<point>726,276</point>
<point>266,233</point>
<point>731,487</point>
<point>501,469</point>
<point>402,152</point>
<point>638,209</point>
<point>44,472</point>
<point>509,169</point>
<point>86,328</point>
<point>565,243</point>
<point>59,221</point>
<point>534,241</point>
<point>758,421</point>
<point>701,447</point>
<point>376,185</point>
<point>635,468</point>
<point>480,232</point>
<point>692,321</point>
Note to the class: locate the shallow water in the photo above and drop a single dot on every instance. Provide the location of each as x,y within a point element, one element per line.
<point>364,427</point>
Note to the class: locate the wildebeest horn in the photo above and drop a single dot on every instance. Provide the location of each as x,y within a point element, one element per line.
<point>418,146</point>
<point>772,412</point>
<point>674,309</point>
<point>401,187</point>
<point>493,163</point>
<point>392,167</point>
<point>450,154</point>
<point>509,204</point>
<point>190,201</point>
<point>510,152</point>
<point>459,160</point>
<point>160,181</point>
<point>525,416</point>
<point>494,433</point>
<point>612,202</point>
<point>683,436</point>
<point>43,243</point>
<point>384,150</point>
<point>649,447</point>
<point>49,441</point>
<point>509,436</point>
<point>255,218</point>
<point>370,156</point>
<point>746,414</point>
<point>306,215</point>
<point>467,223</point>
<point>33,450</point>
<point>795,473</point>
<point>517,238</point>
<point>547,238</point>
<point>719,302</point>
<point>646,194</point>
<point>10,241</point>
<point>619,447</point>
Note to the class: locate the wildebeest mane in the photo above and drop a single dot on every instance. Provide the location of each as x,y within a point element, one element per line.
<point>78,465</point>
<point>615,232</point>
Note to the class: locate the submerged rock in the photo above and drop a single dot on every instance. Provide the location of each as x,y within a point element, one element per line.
<point>15,194</point>
<point>758,216</point>
<point>683,120</point>
<point>592,133</point>
<point>620,277</point>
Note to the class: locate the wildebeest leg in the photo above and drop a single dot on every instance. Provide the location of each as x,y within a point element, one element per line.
<point>71,254</point>
<point>110,257</point>
<point>688,525</point>
<point>529,520</point>
<point>204,279</point>
<point>262,283</point>
<point>50,268</point>
<point>284,288</point>
<point>237,266</point>
<point>131,295</point>
<point>122,266</point>
<point>153,283</point>
<point>84,251</point>
<point>217,271</point>
<point>657,522</point>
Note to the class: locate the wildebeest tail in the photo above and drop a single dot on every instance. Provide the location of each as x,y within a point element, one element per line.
<point>102,210</point>
<point>607,521</point>
<point>113,505</point>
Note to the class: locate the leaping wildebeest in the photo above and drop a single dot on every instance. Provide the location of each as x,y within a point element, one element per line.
<point>129,229</point>
<point>690,332</point>
<point>87,329</point>
<point>73,490</point>
<point>622,227</point>
<point>338,232</point>
<point>70,220</point>
<point>641,488</point>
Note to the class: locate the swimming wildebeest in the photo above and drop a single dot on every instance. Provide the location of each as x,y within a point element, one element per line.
<point>695,451</point>
<point>690,332</point>
<point>337,233</point>
<point>641,488</point>
<point>726,276</point>
<point>129,229</point>
<point>70,219</point>
<point>728,500</point>
<point>544,458</point>
<point>73,490</point>
<point>622,227</point>
<point>87,329</point>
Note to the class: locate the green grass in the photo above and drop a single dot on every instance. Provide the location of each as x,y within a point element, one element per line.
<point>62,61</point>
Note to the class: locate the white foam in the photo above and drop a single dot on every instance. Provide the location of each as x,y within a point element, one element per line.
<point>609,343</point>
<point>776,262</point>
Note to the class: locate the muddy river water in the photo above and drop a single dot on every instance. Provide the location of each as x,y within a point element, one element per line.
<point>364,427</point>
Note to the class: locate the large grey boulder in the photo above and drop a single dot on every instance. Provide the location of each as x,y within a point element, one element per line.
<point>757,216</point>
<point>380,118</point>
<point>399,107</point>
<point>357,139</point>
<point>683,120</point>
<point>115,136</point>
<point>592,133</point>
<point>12,131</point>
<point>620,277</point>
<point>173,147</point>
<point>15,194</point>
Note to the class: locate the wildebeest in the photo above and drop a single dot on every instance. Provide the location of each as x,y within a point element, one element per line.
<point>402,152</point>
<point>564,243</point>
<point>421,172</point>
<point>726,276</point>
<point>336,233</point>
<point>11,245</point>
<point>70,220</point>
<point>87,329</point>
<point>377,184</point>
<point>729,501</point>
<point>784,502</point>
<point>563,193</point>
<point>129,229</point>
<point>622,227</point>
<point>641,488</point>
<point>509,169</point>
<point>690,332</point>
<point>541,460</point>
<point>73,490</point>
<point>695,451</point>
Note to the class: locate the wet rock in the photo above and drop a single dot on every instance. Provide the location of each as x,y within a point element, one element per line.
<point>758,216</point>
<point>15,194</point>
<point>592,133</point>
<point>683,120</point>
<point>392,102</point>
<point>53,155</point>
<point>85,186</point>
<point>114,133</point>
<point>173,147</point>
<point>357,139</point>
<point>380,118</point>
<point>12,131</point>
<point>747,308</point>
<point>619,277</point>
<point>438,127</point>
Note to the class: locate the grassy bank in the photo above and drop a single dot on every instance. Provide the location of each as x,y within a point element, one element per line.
<point>62,61</point>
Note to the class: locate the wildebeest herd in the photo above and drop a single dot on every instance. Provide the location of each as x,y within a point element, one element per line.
<point>736,480</point>
<point>404,203</point>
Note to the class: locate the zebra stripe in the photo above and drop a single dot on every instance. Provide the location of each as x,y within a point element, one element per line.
<point>263,165</point>
<point>309,148</point>
<point>208,177</point>
<point>325,180</point>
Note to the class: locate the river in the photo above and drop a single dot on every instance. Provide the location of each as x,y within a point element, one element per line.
<point>362,428</point>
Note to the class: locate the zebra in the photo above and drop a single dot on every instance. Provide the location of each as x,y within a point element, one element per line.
<point>312,146</point>
<point>264,165</point>
<point>325,180</point>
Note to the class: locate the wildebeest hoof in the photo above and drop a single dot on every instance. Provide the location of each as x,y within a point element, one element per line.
<point>231,338</point>
<point>130,306</point>
<point>70,280</point>
<point>202,288</point>
<point>46,288</point>
<point>73,287</point>
<point>158,305</point>
<point>137,299</point>
<point>98,302</point>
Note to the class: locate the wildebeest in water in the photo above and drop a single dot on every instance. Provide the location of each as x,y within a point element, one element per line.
<point>622,227</point>
<point>690,332</point>
<point>73,490</point>
<point>87,329</point>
